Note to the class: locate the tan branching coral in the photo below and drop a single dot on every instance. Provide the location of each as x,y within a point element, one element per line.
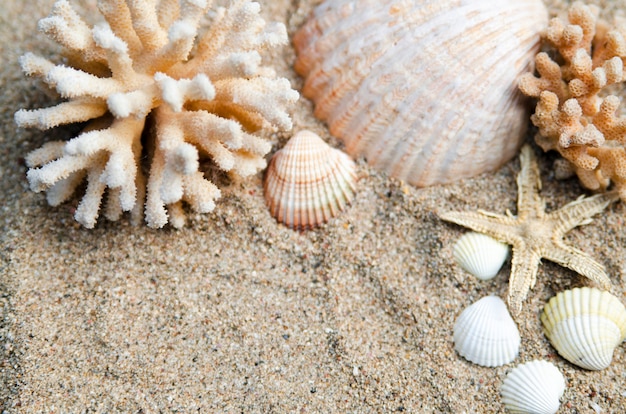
<point>575,114</point>
<point>155,82</point>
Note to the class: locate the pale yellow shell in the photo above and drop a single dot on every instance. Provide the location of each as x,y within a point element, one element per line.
<point>424,90</point>
<point>308,182</point>
<point>585,325</point>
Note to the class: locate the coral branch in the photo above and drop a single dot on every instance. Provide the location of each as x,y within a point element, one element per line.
<point>573,115</point>
<point>203,91</point>
<point>67,28</point>
<point>79,110</point>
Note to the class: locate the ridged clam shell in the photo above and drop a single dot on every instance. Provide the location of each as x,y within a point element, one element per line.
<point>585,325</point>
<point>308,182</point>
<point>534,387</point>
<point>481,255</point>
<point>425,90</point>
<point>485,333</point>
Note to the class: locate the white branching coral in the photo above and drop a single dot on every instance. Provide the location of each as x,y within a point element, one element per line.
<point>152,83</point>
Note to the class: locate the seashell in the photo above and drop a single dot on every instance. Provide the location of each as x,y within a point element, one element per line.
<point>534,387</point>
<point>485,333</point>
<point>481,255</point>
<point>425,90</point>
<point>308,182</point>
<point>585,325</point>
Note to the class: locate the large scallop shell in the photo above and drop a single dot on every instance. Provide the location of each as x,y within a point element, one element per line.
<point>534,387</point>
<point>585,325</point>
<point>308,182</point>
<point>481,255</point>
<point>426,90</point>
<point>485,333</point>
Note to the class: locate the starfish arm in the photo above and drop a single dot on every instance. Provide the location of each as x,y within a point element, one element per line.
<point>579,212</point>
<point>579,262</point>
<point>524,266</point>
<point>498,226</point>
<point>529,203</point>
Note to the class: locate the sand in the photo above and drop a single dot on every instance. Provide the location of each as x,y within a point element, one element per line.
<point>236,313</point>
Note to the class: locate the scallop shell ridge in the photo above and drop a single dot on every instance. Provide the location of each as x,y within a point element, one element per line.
<point>308,182</point>
<point>485,333</point>
<point>425,90</point>
<point>585,325</point>
<point>480,255</point>
<point>534,387</point>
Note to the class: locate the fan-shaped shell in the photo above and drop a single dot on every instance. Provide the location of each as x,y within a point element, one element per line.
<point>585,325</point>
<point>308,182</point>
<point>481,255</point>
<point>485,333</point>
<point>426,90</point>
<point>534,387</point>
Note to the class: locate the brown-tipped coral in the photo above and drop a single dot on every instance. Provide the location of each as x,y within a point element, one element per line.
<point>152,67</point>
<point>575,115</point>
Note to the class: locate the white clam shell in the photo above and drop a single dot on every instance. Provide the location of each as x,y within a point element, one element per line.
<point>585,325</point>
<point>485,333</point>
<point>308,182</point>
<point>534,387</point>
<point>481,255</point>
<point>425,90</point>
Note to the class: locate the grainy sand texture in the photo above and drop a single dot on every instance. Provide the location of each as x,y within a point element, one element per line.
<point>236,313</point>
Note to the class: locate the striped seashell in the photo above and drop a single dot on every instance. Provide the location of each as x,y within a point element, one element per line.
<point>534,387</point>
<point>485,333</point>
<point>308,182</point>
<point>425,90</point>
<point>481,255</point>
<point>585,325</point>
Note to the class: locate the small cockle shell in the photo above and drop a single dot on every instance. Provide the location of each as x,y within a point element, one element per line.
<point>481,255</point>
<point>585,325</point>
<point>534,387</point>
<point>308,182</point>
<point>425,90</point>
<point>485,333</point>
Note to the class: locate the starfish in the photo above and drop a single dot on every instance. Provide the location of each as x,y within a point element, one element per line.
<point>535,234</point>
